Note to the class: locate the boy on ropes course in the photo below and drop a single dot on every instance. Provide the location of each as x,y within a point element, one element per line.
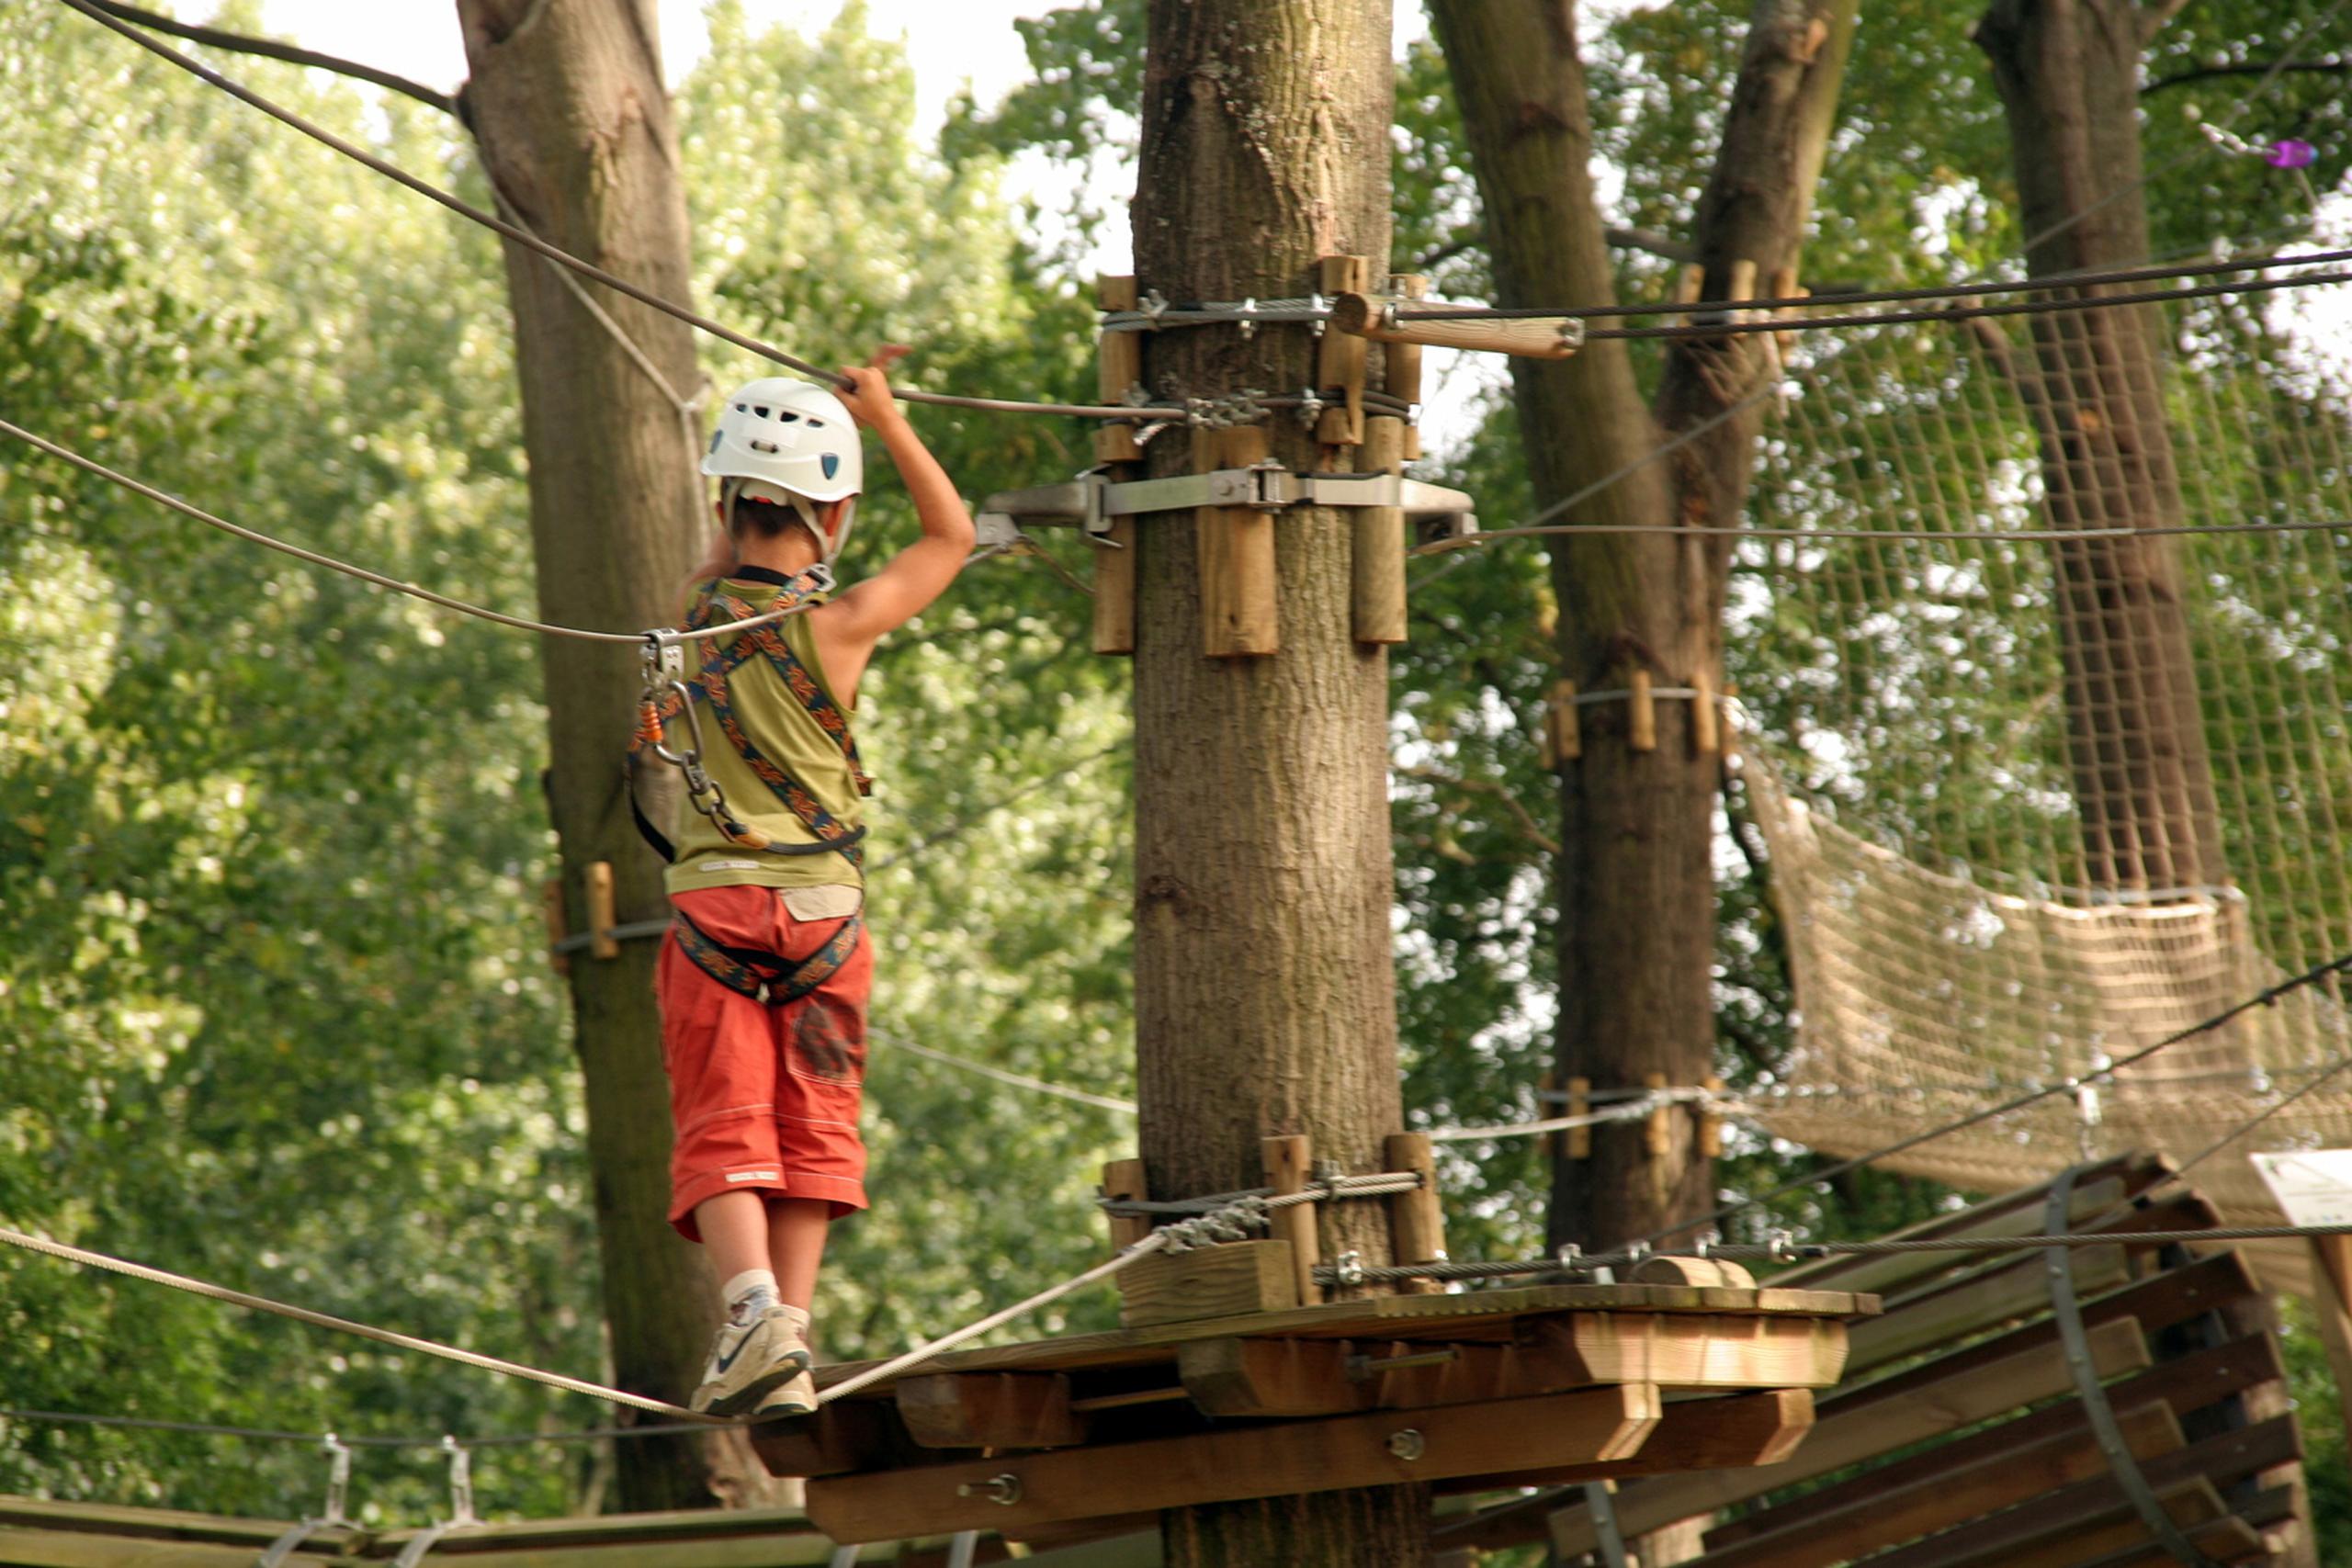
<point>765,975</point>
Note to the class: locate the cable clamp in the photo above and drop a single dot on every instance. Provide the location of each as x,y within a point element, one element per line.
<point>1779,1247</point>
<point>1310,408</point>
<point>1348,1269</point>
<point>1322,311</point>
<point>1155,306</point>
<point>1249,320</point>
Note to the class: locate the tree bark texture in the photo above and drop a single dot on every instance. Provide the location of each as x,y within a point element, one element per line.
<point>1635,879</point>
<point>2068,73</point>
<point>574,127</point>
<point>1264,991</point>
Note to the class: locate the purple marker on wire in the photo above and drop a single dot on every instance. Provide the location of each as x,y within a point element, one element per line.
<point>2291,154</point>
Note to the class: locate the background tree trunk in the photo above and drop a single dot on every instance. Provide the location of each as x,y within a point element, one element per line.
<point>1264,992</point>
<point>568,104</point>
<point>2068,73</point>
<point>1635,878</point>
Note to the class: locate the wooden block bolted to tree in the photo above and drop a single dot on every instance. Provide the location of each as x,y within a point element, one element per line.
<point>1416,1219</point>
<point>1705,736</point>
<point>1289,1164</point>
<point>1114,590</point>
<point>1338,1453</point>
<point>1404,359</point>
<point>1122,1182</point>
<point>1119,366</point>
<point>1579,1139</point>
<point>597,883</point>
<point>1236,555</point>
<point>1341,358</point>
<point>1233,1279</point>
<point>1640,712</point>
<point>1657,1128</point>
<point>1561,727</point>
<point>1377,601</point>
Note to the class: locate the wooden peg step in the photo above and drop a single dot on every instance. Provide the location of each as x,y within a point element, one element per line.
<point>1706,738</point>
<point>1579,1139</point>
<point>1657,1128</point>
<point>1561,728</point>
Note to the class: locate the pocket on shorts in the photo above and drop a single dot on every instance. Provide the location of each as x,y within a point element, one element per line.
<point>835,901</point>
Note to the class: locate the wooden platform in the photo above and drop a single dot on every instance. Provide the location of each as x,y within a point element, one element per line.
<point>1475,1390</point>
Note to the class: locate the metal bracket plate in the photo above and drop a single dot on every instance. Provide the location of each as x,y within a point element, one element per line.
<point>1089,502</point>
<point>2068,1312</point>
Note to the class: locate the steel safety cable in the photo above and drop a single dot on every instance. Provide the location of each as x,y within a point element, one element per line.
<point>1921,536</point>
<point>530,240</point>
<point>341,1324</point>
<point>500,617</point>
<point>277,1435</point>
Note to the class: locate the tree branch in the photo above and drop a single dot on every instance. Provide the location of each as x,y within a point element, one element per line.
<point>2330,67</point>
<point>1528,827</point>
<point>1648,239</point>
<point>241,44</point>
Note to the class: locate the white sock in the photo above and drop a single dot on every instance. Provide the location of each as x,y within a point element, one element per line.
<point>748,1294</point>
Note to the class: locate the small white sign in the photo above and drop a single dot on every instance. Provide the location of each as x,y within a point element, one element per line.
<point>2313,1186</point>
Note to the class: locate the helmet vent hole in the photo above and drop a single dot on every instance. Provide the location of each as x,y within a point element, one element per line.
<point>763,412</point>
<point>816,424</point>
<point>768,446</point>
<point>741,408</point>
<point>833,465</point>
<point>788,417</point>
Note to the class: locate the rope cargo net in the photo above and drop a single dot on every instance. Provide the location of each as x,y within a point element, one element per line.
<point>1998,855</point>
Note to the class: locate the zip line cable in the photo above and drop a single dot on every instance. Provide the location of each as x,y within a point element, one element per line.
<point>274,1435</point>
<point>1927,536</point>
<point>521,623</point>
<point>1291,311</point>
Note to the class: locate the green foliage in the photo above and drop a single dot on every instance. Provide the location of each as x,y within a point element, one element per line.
<point>273,1013</point>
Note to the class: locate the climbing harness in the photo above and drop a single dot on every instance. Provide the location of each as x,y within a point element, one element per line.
<point>766,978</point>
<point>667,694</point>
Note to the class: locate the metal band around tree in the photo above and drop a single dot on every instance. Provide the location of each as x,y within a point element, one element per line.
<point>2121,1463</point>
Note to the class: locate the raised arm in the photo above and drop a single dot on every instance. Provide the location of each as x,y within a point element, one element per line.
<point>920,573</point>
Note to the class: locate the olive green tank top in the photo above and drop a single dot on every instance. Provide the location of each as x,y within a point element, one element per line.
<point>785,732</point>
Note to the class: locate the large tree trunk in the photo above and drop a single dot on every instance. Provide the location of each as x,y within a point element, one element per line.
<point>2068,73</point>
<point>1264,991</point>
<point>574,125</point>
<point>1635,881</point>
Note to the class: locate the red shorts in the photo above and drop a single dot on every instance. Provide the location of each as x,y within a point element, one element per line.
<point>762,1099</point>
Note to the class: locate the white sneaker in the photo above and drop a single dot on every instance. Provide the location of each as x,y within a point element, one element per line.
<point>797,1395</point>
<point>748,1361</point>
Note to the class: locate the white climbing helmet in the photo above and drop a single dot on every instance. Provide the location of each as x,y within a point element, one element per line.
<point>792,443</point>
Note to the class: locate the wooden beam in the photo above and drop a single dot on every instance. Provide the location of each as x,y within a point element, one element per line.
<point>1694,1352</point>
<point>1119,367</point>
<point>1236,555</point>
<point>1270,1377</point>
<point>1955,1494</point>
<point>1340,357</point>
<point>2061,1514</point>
<point>2185,1384</point>
<point>1481,1316</point>
<point>1122,1182</point>
<point>2156,1303</point>
<point>1734,1432</point>
<point>1228,1281</point>
<point>2275,1514</point>
<point>2012,1213</point>
<point>989,1410</point>
<point>1289,1164</point>
<point>1997,1293</point>
<point>1377,603</point>
<point>841,1437</point>
<point>1851,1437</point>
<point>1416,1219</point>
<point>1381,1449</point>
<point>2191,1504</point>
